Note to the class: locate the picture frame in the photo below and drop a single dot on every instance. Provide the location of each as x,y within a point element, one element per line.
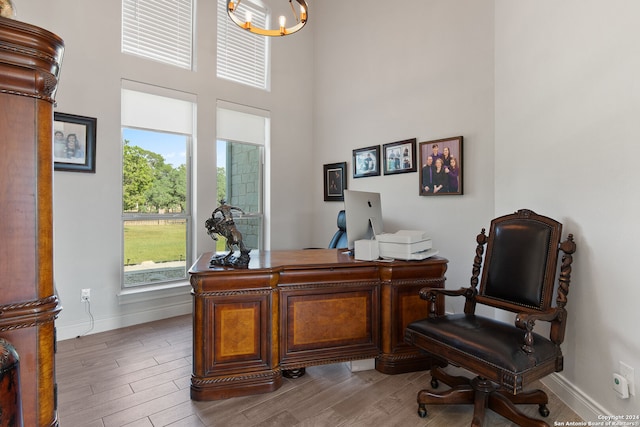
<point>366,162</point>
<point>399,157</point>
<point>74,143</point>
<point>445,179</point>
<point>335,181</point>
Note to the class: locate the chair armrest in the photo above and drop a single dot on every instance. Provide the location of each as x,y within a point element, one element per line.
<point>431,294</point>
<point>527,322</point>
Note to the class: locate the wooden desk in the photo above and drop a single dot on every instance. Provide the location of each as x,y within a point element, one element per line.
<point>292,309</point>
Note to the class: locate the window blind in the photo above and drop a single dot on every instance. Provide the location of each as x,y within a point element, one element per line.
<point>242,56</point>
<point>161,30</point>
<point>241,124</point>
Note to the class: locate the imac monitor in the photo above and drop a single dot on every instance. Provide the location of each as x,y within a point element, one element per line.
<point>363,214</point>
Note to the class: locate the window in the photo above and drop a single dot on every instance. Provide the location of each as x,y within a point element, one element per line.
<point>156,210</point>
<point>161,30</point>
<point>240,159</point>
<point>242,56</point>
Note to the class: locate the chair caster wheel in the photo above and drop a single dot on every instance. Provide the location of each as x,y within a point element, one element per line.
<point>422,411</point>
<point>543,410</point>
<point>434,383</point>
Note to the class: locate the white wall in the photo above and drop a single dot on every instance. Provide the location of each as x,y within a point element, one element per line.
<point>553,83</point>
<point>566,98</point>
<point>386,73</point>
<point>567,108</point>
<point>87,207</point>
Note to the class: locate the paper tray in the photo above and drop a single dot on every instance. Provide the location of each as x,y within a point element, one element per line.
<point>407,248</point>
<point>414,256</point>
<point>403,236</point>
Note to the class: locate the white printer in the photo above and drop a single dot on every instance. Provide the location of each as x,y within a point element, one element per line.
<point>405,245</point>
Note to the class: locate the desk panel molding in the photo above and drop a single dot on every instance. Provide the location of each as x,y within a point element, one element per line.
<point>330,285</point>
<point>236,293</point>
<point>269,375</point>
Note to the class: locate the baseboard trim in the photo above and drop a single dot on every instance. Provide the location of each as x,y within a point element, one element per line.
<point>573,397</point>
<point>102,325</point>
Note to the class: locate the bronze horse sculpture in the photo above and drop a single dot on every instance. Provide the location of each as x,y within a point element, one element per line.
<point>222,224</point>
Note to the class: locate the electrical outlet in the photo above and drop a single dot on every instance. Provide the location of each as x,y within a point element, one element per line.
<point>627,372</point>
<point>85,295</point>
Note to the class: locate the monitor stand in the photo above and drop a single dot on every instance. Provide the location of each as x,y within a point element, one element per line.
<point>372,232</point>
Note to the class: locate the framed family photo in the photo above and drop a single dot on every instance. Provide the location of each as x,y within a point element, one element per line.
<point>335,181</point>
<point>366,162</point>
<point>441,167</point>
<point>399,157</point>
<point>74,143</point>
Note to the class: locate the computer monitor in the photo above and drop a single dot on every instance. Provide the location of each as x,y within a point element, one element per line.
<point>363,214</point>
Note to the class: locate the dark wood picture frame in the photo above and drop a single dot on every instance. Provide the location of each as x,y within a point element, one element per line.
<point>399,157</point>
<point>445,180</point>
<point>81,155</point>
<point>366,162</point>
<point>335,181</point>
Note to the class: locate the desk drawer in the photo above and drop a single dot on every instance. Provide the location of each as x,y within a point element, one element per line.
<point>338,274</point>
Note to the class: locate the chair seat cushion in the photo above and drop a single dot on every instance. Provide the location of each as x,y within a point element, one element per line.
<point>486,339</point>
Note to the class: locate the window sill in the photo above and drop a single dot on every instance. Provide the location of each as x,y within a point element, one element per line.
<point>148,293</point>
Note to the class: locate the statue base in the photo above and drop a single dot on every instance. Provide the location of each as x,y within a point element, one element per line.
<point>230,260</point>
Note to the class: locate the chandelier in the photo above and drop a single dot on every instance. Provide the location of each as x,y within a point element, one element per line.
<point>300,20</point>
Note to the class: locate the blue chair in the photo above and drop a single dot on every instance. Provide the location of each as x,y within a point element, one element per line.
<point>339,239</point>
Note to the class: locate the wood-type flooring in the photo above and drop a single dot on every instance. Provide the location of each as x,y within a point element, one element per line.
<point>139,376</point>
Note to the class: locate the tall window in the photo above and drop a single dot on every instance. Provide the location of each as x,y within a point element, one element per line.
<point>240,159</point>
<point>161,30</point>
<point>242,56</point>
<point>156,210</point>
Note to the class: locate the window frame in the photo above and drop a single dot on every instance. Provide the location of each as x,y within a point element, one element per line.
<point>186,216</point>
<point>236,63</point>
<point>150,34</point>
<point>188,131</point>
<point>236,123</point>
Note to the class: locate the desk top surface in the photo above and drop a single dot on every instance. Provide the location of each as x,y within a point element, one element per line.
<point>301,259</point>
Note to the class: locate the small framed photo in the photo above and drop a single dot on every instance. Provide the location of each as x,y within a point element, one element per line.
<point>74,143</point>
<point>366,162</point>
<point>441,167</point>
<point>399,157</point>
<point>335,181</point>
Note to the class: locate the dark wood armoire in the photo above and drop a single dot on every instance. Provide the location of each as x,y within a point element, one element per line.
<point>30,59</point>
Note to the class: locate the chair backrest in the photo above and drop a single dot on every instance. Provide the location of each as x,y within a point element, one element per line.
<point>519,269</point>
<point>339,239</point>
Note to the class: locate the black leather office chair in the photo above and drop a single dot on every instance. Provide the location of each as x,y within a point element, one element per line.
<point>518,275</point>
<point>339,240</point>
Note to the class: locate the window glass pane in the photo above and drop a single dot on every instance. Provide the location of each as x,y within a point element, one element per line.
<point>154,251</point>
<point>155,206</point>
<point>240,184</point>
<point>154,172</point>
<point>251,229</point>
